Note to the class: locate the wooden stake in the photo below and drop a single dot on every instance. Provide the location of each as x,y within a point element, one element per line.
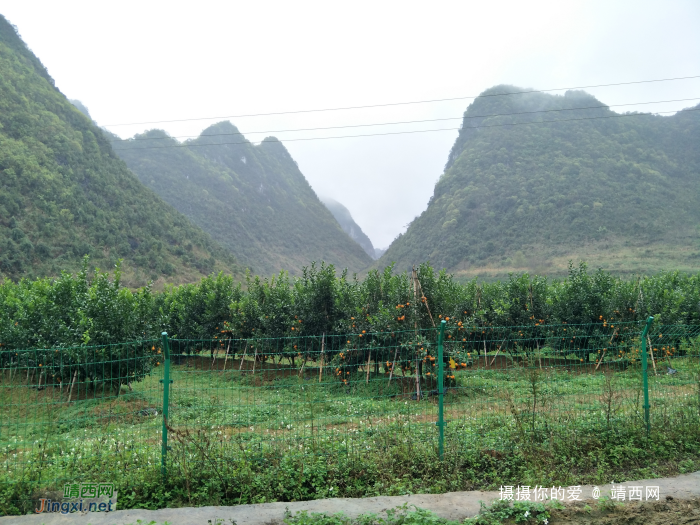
<point>226,358</point>
<point>245,351</point>
<point>320,368</point>
<point>425,302</point>
<point>70,393</point>
<point>605,350</point>
<point>393,364</point>
<point>495,356</point>
<point>414,276</point>
<point>368,360</point>
<point>255,359</point>
<point>651,353</point>
<point>303,363</point>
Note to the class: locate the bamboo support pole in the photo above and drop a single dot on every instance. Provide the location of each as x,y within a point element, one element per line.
<point>323,347</point>
<point>369,358</point>
<point>303,363</point>
<point>414,276</point>
<point>651,354</point>
<point>245,351</point>
<point>605,349</point>
<point>70,393</point>
<point>495,356</point>
<point>393,364</point>
<point>226,358</point>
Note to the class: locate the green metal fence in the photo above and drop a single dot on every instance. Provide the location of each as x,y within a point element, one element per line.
<point>71,413</point>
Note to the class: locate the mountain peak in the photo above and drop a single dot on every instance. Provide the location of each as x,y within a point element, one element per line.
<point>253,199</point>
<point>536,179</point>
<point>65,194</point>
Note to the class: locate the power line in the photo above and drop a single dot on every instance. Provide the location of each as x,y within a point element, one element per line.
<point>410,132</point>
<point>400,103</point>
<point>602,106</point>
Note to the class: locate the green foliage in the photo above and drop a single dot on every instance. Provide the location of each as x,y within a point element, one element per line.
<point>519,192</point>
<point>208,468</point>
<point>500,512</point>
<point>96,310</point>
<point>403,515</point>
<point>69,325</point>
<point>64,194</point>
<point>251,199</point>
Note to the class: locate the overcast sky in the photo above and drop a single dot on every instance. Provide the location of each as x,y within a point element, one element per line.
<point>147,61</point>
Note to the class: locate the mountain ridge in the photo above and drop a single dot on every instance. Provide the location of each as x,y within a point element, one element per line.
<point>346,221</point>
<point>65,194</point>
<point>534,180</point>
<point>253,199</point>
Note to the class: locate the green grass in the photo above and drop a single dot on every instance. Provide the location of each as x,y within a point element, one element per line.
<point>273,435</point>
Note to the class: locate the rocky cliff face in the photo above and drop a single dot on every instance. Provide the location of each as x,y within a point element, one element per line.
<point>253,199</point>
<point>535,180</point>
<point>344,218</point>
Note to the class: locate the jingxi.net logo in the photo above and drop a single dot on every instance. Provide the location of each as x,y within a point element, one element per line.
<point>82,497</point>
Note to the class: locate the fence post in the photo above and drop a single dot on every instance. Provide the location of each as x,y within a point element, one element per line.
<point>441,419</point>
<point>166,401</point>
<point>645,375</point>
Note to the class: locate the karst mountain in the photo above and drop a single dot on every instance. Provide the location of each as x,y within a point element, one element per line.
<point>535,180</point>
<point>65,194</point>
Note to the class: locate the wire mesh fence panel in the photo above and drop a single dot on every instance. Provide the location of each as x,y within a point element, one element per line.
<point>674,377</point>
<point>69,412</point>
<point>330,394</point>
<point>538,383</point>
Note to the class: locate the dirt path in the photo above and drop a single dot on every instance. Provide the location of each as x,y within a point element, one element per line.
<point>679,502</point>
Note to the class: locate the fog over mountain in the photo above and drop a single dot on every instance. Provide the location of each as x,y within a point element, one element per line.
<point>253,199</point>
<point>344,218</point>
<point>181,69</point>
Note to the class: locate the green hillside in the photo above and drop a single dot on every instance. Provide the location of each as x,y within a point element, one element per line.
<point>65,194</point>
<point>252,199</point>
<point>348,224</point>
<point>522,193</point>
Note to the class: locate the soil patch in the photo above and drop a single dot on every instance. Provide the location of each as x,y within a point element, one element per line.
<point>669,512</point>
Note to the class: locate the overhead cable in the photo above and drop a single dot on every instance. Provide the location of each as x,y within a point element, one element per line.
<point>190,145</point>
<point>602,106</point>
<point>401,103</point>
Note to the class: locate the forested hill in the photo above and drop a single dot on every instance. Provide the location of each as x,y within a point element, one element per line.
<point>344,218</point>
<point>523,193</point>
<point>64,193</point>
<point>252,199</point>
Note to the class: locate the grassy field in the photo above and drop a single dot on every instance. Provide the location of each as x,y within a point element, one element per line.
<point>618,256</point>
<point>243,431</point>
